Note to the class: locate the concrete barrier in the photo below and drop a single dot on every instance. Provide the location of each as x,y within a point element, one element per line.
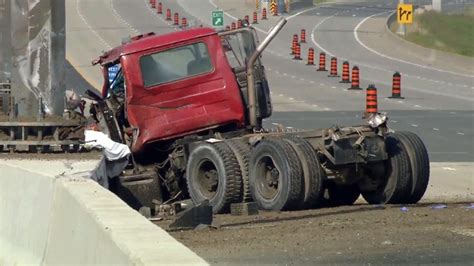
<point>49,214</point>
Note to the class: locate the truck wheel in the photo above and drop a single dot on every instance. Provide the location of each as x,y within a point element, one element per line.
<point>313,173</point>
<point>242,152</point>
<point>342,194</point>
<point>420,165</point>
<point>394,185</point>
<point>275,175</point>
<point>213,173</point>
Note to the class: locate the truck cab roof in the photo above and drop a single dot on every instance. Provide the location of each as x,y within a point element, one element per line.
<point>147,41</point>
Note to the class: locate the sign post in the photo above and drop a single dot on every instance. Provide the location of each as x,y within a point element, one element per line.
<point>217,18</point>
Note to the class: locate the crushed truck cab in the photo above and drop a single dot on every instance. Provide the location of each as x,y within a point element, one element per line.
<point>190,105</point>
<point>175,86</point>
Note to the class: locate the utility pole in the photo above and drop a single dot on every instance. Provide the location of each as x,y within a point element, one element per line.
<point>32,54</point>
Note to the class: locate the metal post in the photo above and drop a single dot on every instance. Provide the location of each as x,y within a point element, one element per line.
<point>402,29</point>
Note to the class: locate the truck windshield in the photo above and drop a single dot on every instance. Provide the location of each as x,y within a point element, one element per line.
<point>175,64</point>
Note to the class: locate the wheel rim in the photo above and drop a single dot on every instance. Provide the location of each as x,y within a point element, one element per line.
<point>267,178</point>
<point>207,178</point>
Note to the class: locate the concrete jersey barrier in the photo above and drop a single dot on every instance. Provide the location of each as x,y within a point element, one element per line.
<point>49,219</point>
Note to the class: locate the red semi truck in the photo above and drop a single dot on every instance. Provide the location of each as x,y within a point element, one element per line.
<point>190,105</point>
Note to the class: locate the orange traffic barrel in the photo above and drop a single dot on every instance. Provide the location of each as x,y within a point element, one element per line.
<point>371,100</point>
<point>310,57</point>
<point>397,86</point>
<point>233,25</point>
<point>184,22</point>
<point>303,36</point>
<point>322,62</point>
<point>293,43</point>
<point>159,9</point>
<point>345,72</point>
<point>168,14</point>
<point>176,19</point>
<point>255,18</point>
<point>264,13</point>
<point>355,84</point>
<point>333,72</point>
<point>297,52</point>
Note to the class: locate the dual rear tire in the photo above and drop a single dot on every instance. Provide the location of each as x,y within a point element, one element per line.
<point>407,171</point>
<point>285,174</point>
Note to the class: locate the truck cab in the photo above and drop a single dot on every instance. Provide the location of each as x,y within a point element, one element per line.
<point>186,82</point>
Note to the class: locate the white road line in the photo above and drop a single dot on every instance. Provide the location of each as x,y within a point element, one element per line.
<point>460,133</point>
<point>436,129</point>
<point>356,35</point>
<point>118,16</point>
<point>414,125</point>
<point>313,38</point>
<point>104,42</point>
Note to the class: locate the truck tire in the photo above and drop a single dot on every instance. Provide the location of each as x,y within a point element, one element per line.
<point>420,165</point>
<point>241,151</point>
<point>213,173</point>
<point>340,195</point>
<point>275,175</point>
<point>395,184</point>
<point>313,173</point>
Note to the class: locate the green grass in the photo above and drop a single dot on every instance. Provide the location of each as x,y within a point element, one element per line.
<point>451,33</point>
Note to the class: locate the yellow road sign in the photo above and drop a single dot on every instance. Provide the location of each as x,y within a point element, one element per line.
<point>405,13</point>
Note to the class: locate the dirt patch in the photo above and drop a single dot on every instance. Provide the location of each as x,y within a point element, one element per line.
<point>355,234</point>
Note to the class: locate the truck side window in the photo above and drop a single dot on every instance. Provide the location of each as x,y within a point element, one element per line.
<point>175,64</point>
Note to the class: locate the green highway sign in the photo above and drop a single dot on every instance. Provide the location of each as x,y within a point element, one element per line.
<point>217,18</point>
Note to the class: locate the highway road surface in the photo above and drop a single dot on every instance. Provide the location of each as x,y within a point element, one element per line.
<point>438,87</point>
